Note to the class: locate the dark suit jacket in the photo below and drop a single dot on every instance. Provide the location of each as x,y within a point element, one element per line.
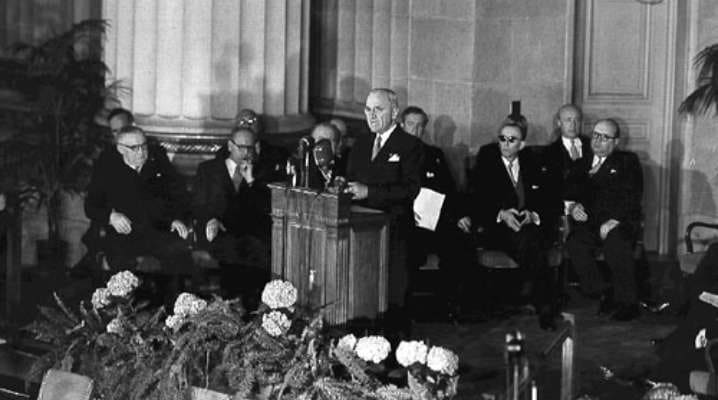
<point>437,176</point>
<point>271,163</point>
<point>151,199</point>
<point>393,177</point>
<point>492,189</point>
<point>242,212</point>
<point>568,174</point>
<point>615,192</point>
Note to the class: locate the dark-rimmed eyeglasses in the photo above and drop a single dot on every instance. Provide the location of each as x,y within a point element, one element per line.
<point>134,147</point>
<point>246,147</point>
<point>602,137</point>
<point>510,139</point>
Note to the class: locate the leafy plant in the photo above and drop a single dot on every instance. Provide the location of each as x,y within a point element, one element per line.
<point>63,82</point>
<point>705,96</point>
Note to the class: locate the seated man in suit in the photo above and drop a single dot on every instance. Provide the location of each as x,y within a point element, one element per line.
<point>231,206</point>
<point>346,141</point>
<point>384,172</point>
<point>270,160</point>
<point>140,204</point>
<point>512,201</point>
<point>446,240</point>
<point>608,216</point>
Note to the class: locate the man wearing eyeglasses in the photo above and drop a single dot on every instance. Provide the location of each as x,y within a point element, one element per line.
<point>140,205</point>
<point>270,160</point>
<point>608,216</point>
<point>512,205</point>
<point>231,209</point>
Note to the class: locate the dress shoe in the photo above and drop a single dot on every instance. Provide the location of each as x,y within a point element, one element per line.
<point>605,305</point>
<point>626,312</point>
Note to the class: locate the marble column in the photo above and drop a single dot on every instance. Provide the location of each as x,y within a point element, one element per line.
<point>190,65</point>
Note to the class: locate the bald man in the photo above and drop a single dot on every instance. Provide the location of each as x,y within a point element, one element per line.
<point>607,215</point>
<point>231,209</point>
<point>138,202</point>
<point>384,172</point>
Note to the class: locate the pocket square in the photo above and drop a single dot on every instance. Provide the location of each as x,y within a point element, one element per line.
<point>394,158</point>
<point>612,171</point>
<point>429,174</point>
<point>534,187</point>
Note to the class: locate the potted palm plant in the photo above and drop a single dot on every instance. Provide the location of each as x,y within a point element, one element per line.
<point>705,96</point>
<point>63,86</point>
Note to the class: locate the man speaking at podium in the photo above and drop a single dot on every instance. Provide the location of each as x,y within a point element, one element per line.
<point>384,172</point>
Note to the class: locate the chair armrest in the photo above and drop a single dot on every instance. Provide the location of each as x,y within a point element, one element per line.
<point>689,230</point>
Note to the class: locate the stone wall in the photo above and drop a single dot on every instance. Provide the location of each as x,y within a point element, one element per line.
<point>463,61</point>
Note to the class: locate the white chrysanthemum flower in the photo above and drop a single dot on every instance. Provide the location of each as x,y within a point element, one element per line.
<point>188,304</point>
<point>174,321</point>
<point>122,283</point>
<point>442,360</point>
<point>411,352</point>
<point>100,298</point>
<point>347,342</point>
<point>279,294</point>
<point>276,323</point>
<point>373,348</point>
<point>115,326</point>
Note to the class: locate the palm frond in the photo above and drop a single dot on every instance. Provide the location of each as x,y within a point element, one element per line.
<point>700,100</point>
<point>705,96</point>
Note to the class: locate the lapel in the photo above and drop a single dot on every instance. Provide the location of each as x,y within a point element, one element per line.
<point>507,181</point>
<point>385,148</point>
<point>225,180</point>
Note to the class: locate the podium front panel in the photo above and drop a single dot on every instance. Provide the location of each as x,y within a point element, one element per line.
<point>344,248</point>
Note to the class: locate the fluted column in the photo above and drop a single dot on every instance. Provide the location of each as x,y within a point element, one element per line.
<point>190,65</point>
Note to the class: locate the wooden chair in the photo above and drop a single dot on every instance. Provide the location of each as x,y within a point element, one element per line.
<point>689,261</point>
<point>62,385</point>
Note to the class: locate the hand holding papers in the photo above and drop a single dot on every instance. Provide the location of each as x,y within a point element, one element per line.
<point>427,208</point>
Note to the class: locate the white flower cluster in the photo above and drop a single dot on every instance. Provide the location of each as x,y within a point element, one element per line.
<point>122,283</point>
<point>442,360</point>
<point>279,294</point>
<point>411,352</point>
<point>101,298</point>
<point>275,323</point>
<point>174,322</point>
<point>115,326</point>
<point>347,342</point>
<point>186,305</point>
<point>373,348</point>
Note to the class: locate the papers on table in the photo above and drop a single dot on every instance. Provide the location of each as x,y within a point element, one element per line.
<point>427,208</point>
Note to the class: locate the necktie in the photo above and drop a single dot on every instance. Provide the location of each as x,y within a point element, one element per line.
<point>512,174</point>
<point>236,178</point>
<point>596,165</point>
<point>376,148</point>
<point>573,151</point>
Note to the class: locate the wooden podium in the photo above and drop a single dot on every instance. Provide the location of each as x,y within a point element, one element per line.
<point>321,240</point>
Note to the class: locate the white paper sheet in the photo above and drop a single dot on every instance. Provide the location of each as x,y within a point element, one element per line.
<point>710,298</point>
<point>427,208</point>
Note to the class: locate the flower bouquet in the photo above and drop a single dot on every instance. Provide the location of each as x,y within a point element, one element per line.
<point>116,341</point>
<point>431,373</point>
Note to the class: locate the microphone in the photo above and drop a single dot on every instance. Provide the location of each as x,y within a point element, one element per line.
<point>323,153</point>
<point>306,142</point>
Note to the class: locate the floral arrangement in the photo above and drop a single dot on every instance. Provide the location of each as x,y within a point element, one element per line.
<point>280,351</point>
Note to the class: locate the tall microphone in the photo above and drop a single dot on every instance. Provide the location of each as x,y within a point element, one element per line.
<point>305,144</point>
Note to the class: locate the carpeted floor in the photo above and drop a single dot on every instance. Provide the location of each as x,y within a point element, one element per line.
<point>623,347</point>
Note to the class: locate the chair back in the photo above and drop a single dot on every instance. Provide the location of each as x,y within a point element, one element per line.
<point>62,385</point>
